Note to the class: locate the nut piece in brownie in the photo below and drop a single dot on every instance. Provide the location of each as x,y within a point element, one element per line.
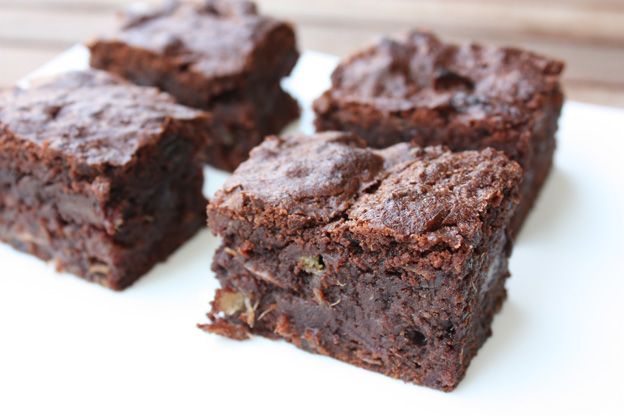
<point>417,88</point>
<point>99,175</point>
<point>215,55</point>
<point>393,260</point>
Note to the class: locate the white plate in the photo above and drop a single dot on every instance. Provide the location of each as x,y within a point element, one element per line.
<point>74,348</point>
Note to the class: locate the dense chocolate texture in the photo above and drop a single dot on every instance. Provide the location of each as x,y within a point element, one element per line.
<point>215,55</point>
<point>99,175</point>
<point>241,122</point>
<point>393,260</point>
<point>416,88</point>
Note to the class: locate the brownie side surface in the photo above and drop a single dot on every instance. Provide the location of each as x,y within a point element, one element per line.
<point>469,96</point>
<point>99,175</point>
<point>241,121</point>
<point>392,260</point>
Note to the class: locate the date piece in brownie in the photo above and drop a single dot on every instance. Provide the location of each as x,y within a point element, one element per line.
<point>99,175</point>
<point>393,260</point>
<point>213,55</point>
<point>416,88</point>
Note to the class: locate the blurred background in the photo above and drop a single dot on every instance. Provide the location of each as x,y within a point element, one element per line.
<point>587,34</point>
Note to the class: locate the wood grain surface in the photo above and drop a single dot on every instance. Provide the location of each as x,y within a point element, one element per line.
<point>587,34</point>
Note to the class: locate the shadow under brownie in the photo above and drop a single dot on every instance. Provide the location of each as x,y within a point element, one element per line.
<point>99,175</point>
<point>393,260</point>
<point>470,96</point>
<point>208,54</point>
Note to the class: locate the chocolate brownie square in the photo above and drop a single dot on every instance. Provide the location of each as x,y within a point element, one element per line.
<point>393,260</point>
<point>99,175</point>
<point>209,55</point>
<point>417,88</point>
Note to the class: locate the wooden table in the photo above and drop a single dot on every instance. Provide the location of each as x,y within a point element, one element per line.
<point>588,34</point>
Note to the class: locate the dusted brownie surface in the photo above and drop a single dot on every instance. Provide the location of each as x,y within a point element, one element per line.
<point>99,175</point>
<point>469,96</point>
<point>393,260</point>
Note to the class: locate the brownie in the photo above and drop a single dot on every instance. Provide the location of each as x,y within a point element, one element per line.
<point>242,122</point>
<point>208,54</point>
<point>417,88</point>
<point>393,260</point>
<point>99,175</point>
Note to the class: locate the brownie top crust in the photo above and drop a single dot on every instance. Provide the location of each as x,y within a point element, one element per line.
<point>90,117</point>
<point>217,38</point>
<point>331,180</point>
<point>417,70</point>
<point>430,189</point>
<point>315,178</point>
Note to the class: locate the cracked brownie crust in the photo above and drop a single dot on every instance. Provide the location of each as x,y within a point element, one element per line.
<point>99,175</point>
<point>393,260</point>
<point>197,51</point>
<point>469,96</point>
